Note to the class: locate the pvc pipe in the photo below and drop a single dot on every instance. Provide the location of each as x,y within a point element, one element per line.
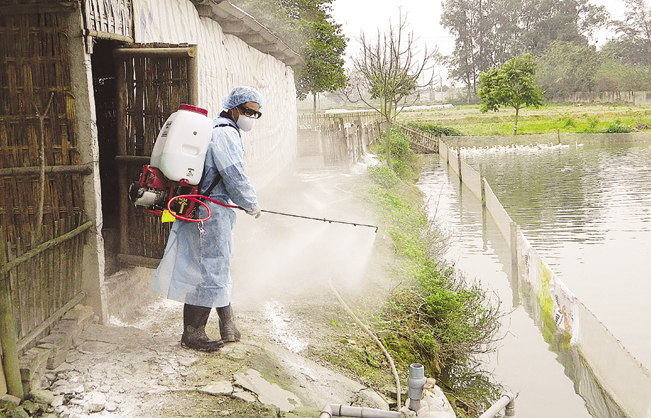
<point>355,411</point>
<point>416,382</point>
<point>501,403</point>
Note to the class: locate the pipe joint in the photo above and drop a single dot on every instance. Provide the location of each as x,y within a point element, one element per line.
<point>416,382</point>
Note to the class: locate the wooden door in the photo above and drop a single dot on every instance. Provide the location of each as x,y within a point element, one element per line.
<point>152,83</point>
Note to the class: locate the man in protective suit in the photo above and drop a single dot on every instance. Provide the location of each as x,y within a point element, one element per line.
<point>196,266</point>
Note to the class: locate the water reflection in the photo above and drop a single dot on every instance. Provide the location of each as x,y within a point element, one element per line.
<point>580,214</point>
<point>587,211</point>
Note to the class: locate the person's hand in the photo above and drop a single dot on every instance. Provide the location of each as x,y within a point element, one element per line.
<point>256,211</point>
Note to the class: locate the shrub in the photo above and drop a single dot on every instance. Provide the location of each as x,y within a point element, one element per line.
<point>593,122</point>
<point>435,130</point>
<point>403,159</point>
<point>383,175</point>
<point>618,128</point>
<point>567,122</point>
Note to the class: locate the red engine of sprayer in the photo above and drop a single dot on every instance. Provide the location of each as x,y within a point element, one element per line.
<point>152,191</point>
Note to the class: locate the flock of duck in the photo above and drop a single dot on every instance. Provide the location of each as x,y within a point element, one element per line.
<point>515,148</point>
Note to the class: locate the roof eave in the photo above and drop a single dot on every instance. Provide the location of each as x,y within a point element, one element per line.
<point>235,21</point>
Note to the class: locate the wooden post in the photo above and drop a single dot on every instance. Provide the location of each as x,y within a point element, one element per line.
<point>8,336</point>
<point>8,341</point>
<point>342,140</point>
<point>121,118</point>
<point>3,382</point>
<point>193,76</point>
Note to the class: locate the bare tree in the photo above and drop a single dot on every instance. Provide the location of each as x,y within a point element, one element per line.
<point>389,69</point>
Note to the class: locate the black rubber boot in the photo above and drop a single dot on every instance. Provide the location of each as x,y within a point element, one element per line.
<point>227,329</point>
<point>194,336</point>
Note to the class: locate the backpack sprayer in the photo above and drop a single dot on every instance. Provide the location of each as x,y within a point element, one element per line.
<point>170,182</point>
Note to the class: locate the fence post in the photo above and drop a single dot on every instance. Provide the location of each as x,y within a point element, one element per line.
<point>515,264</point>
<point>8,331</point>
<point>515,229</point>
<point>459,163</point>
<point>483,186</point>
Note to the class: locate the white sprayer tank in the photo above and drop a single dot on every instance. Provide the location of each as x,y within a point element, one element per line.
<point>180,148</point>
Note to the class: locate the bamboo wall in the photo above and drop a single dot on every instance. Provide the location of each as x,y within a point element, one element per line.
<point>635,98</point>
<point>420,141</point>
<point>41,279</point>
<point>41,191</point>
<point>315,121</point>
<point>36,67</point>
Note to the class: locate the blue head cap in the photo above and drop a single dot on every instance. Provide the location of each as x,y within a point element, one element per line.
<point>242,94</point>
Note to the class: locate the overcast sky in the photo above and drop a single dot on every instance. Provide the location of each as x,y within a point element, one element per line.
<point>423,17</point>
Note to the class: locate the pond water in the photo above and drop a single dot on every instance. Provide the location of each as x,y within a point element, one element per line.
<point>586,209</point>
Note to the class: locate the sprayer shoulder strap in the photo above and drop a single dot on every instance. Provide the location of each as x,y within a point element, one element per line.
<point>213,184</point>
<point>217,175</point>
<point>221,125</point>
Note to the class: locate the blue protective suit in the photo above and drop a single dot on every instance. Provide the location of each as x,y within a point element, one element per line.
<point>196,266</point>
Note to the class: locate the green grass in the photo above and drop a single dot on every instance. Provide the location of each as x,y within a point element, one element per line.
<point>469,120</point>
<point>436,317</point>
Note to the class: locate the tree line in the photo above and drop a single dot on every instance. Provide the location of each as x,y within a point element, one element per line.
<point>559,35</point>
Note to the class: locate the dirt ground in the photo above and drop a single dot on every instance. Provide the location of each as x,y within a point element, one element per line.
<point>296,337</point>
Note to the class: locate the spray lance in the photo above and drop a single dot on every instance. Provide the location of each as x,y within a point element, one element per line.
<point>196,198</point>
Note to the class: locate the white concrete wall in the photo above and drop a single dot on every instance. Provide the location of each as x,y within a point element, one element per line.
<point>635,98</point>
<point>225,61</point>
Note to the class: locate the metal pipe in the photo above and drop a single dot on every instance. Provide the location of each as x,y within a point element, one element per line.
<point>320,219</point>
<point>506,401</point>
<point>358,412</point>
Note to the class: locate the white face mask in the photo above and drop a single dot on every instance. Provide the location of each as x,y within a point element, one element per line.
<point>245,123</point>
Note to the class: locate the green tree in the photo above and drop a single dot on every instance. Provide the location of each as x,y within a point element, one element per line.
<point>615,75</point>
<point>490,32</point>
<point>323,55</point>
<point>471,23</point>
<point>308,27</point>
<point>633,42</point>
<point>546,21</point>
<point>512,85</point>
<point>565,68</point>
<point>388,68</point>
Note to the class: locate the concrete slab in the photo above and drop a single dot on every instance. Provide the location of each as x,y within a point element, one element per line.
<point>268,393</point>
<point>218,388</point>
